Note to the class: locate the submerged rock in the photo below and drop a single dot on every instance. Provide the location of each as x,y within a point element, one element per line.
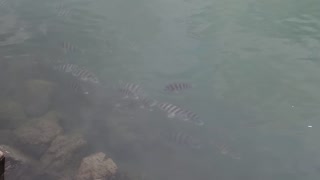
<point>96,166</point>
<point>11,114</point>
<point>18,165</point>
<point>66,178</point>
<point>38,96</point>
<point>62,149</point>
<point>35,137</point>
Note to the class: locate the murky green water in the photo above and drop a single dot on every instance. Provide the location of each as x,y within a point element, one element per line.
<point>254,66</point>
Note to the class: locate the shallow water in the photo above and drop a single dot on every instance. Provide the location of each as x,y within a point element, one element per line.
<point>254,67</point>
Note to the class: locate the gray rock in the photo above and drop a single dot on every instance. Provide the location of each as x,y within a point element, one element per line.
<point>62,149</point>
<point>18,166</point>
<point>36,137</point>
<point>96,166</point>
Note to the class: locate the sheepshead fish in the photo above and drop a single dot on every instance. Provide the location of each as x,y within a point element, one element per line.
<point>174,111</point>
<point>177,87</point>
<point>147,102</point>
<point>78,87</point>
<point>183,139</point>
<point>78,72</point>
<point>130,90</point>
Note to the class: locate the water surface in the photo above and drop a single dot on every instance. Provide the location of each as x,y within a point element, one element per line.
<point>254,66</point>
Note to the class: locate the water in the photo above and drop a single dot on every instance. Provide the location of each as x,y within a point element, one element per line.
<point>254,67</point>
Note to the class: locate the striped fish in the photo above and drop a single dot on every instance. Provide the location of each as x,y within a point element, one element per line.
<point>67,68</point>
<point>183,139</point>
<point>146,102</point>
<point>72,84</point>
<point>180,113</point>
<point>78,88</point>
<point>176,87</point>
<point>78,72</point>
<point>85,75</point>
<point>127,93</point>
<point>60,10</point>
<point>130,90</point>
<point>69,48</point>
